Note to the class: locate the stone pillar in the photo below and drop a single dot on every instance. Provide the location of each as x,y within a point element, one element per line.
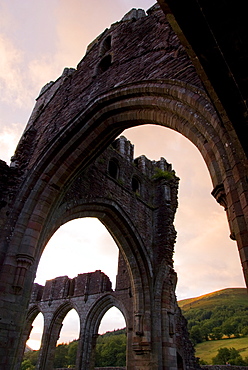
<point>168,338</point>
<point>15,282</point>
<point>84,349</point>
<point>48,344</point>
<point>21,349</point>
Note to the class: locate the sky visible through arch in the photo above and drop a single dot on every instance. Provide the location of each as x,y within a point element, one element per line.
<point>37,41</point>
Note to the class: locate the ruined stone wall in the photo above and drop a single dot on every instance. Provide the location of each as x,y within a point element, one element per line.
<point>135,55</point>
<point>88,288</point>
<point>184,345</point>
<point>145,198</point>
<point>62,287</point>
<point>56,299</point>
<point>145,194</point>
<point>134,73</point>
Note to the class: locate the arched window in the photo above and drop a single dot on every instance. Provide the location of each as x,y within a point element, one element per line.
<point>113,169</point>
<point>111,342</point>
<point>135,185</point>
<point>106,46</point>
<point>105,63</point>
<point>32,339</point>
<point>36,333</point>
<point>66,349</point>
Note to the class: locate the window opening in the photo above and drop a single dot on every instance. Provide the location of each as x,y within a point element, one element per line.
<point>179,362</point>
<point>111,343</point>
<point>31,352</point>
<point>106,45</point>
<point>66,349</point>
<point>105,63</point>
<point>113,169</point>
<point>34,340</point>
<point>135,185</point>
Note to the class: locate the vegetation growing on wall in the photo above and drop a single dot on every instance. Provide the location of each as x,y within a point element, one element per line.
<point>160,174</point>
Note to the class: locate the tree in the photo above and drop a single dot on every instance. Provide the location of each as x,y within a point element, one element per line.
<point>30,359</point>
<point>214,320</point>
<point>206,330</point>
<point>196,334</point>
<point>228,328</point>
<point>111,351</point>
<point>222,357</point>
<point>244,330</point>
<point>216,333</point>
<point>60,358</point>
<point>72,352</point>
<point>228,355</point>
<point>27,365</point>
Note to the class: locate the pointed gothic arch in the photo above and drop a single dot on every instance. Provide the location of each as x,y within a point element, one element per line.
<point>52,328</point>
<point>179,106</point>
<point>32,314</point>
<point>91,325</point>
<point>75,120</point>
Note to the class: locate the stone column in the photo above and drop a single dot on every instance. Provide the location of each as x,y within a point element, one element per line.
<point>48,345</point>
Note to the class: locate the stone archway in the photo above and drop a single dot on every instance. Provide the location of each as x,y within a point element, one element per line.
<point>32,314</point>
<point>52,327</point>
<point>191,115</point>
<point>92,321</point>
<point>74,121</point>
<point>90,294</point>
<point>216,156</point>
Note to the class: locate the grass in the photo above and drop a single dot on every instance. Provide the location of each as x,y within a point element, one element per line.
<point>207,350</point>
<point>227,296</point>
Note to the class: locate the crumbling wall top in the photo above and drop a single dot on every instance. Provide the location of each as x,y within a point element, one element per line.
<point>63,287</point>
<point>147,167</point>
<point>139,48</point>
<point>134,14</point>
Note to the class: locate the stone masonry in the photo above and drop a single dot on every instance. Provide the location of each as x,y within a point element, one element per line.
<point>147,192</point>
<point>136,72</point>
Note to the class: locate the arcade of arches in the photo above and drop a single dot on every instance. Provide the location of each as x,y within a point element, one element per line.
<point>64,168</point>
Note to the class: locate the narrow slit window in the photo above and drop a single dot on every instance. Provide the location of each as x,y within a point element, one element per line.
<point>106,46</point>
<point>135,185</point>
<point>113,169</point>
<point>105,63</point>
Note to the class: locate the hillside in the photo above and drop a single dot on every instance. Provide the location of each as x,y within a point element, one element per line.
<point>234,296</point>
<point>217,320</point>
<point>207,350</point>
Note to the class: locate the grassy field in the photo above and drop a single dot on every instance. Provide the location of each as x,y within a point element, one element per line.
<point>207,350</point>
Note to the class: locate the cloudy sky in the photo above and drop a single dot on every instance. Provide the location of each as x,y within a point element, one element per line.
<point>37,40</point>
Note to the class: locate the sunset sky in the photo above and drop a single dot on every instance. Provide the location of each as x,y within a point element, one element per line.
<point>38,39</point>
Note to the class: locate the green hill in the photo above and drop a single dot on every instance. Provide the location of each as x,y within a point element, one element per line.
<point>234,296</point>
<point>217,320</point>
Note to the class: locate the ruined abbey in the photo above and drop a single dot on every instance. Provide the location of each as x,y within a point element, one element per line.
<point>71,162</point>
<point>146,192</point>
